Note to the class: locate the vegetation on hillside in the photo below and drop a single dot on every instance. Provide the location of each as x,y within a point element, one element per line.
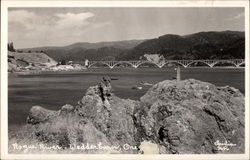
<point>202,45</point>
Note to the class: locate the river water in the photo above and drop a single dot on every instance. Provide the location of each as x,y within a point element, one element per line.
<point>52,90</point>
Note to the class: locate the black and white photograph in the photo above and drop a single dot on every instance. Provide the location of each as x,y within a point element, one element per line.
<point>137,80</point>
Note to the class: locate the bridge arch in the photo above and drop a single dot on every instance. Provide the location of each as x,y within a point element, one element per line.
<point>209,65</point>
<point>99,62</point>
<point>172,62</point>
<point>225,61</point>
<point>123,63</point>
<point>241,64</point>
<point>147,62</point>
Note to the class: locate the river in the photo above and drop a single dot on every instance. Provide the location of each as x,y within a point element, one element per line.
<point>54,89</point>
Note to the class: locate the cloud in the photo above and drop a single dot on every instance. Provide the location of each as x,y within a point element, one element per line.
<point>55,29</point>
<point>60,21</point>
<point>23,18</point>
<point>20,16</point>
<point>70,20</point>
<point>238,16</point>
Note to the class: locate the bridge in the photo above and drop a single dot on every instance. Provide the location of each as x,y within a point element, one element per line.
<point>185,63</point>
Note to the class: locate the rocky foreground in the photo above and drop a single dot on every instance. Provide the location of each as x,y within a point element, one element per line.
<point>196,118</point>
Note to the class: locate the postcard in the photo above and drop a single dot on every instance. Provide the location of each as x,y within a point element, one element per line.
<point>125,79</point>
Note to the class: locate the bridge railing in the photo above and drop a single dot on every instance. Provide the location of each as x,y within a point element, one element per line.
<point>184,63</point>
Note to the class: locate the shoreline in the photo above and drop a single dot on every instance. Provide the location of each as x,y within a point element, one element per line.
<point>37,72</point>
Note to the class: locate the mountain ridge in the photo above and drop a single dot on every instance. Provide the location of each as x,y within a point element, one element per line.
<point>200,45</point>
<point>105,43</point>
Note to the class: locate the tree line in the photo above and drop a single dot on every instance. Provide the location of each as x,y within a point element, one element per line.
<point>12,49</point>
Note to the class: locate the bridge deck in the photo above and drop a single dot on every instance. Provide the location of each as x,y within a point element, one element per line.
<point>184,63</point>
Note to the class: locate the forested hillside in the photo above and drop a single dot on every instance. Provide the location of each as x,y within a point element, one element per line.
<point>202,45</point>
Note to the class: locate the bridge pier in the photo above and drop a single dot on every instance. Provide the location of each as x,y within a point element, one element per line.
<point>211,65</point>
<point>178,76</point>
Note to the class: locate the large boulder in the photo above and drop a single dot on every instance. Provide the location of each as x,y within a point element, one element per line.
<point>193,117</point>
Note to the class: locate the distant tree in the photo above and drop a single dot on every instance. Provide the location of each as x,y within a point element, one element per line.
<point>29,51</point>
<point>11,47</point>
<point>63,62</point>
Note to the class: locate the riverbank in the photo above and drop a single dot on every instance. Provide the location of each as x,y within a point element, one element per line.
<point>77,68</point>
<point>51,69</point>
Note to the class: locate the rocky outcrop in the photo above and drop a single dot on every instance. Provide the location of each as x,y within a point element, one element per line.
<point>18,62</point>
<point>191,118</point>
<point>100,117</point>
<point>73,67</point>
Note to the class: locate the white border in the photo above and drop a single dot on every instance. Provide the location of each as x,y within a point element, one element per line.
<point>32,3</point>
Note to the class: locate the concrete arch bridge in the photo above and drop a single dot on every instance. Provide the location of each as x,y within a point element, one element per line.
<point>185,63</point>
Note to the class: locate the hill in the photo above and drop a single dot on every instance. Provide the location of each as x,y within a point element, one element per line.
<point>92,51</point>
<point>202,45</point>
<point>18,61</point>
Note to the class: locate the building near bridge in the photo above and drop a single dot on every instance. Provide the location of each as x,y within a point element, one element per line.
<point>86,63</point>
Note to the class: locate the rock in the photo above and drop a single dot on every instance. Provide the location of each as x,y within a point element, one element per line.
<point>74,67</point>
<point>12,67</point>
<point>147,147</point>
<point>191,119</point>
<point>106,80</point>
<point>39,114</point>
<point>66,109</point>
<point>105,88</point>
<point>109,114</point>
<point>100,117</point>
<point>22,61</point>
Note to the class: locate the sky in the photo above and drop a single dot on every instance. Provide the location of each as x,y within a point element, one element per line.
<point>34,27</point>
